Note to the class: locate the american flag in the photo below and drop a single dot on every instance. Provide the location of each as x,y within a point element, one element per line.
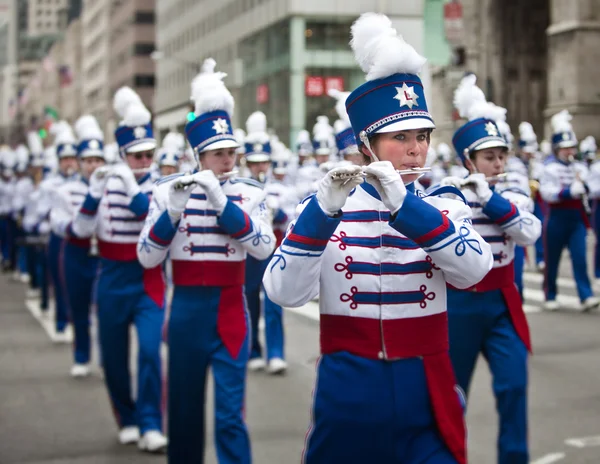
<point>23,97</point>
<point>12,108</point>
<point>65,76</point>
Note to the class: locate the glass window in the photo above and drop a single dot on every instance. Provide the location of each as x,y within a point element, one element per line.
<point>143,80</point>
<point>327,35</point>
<point>144,17</point>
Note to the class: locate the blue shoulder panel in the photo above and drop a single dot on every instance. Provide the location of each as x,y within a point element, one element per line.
<point>434,192</point>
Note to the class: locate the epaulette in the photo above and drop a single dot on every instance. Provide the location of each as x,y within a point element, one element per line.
<point>247,181</point>
<point>162,180</point>
<point>434,192</point>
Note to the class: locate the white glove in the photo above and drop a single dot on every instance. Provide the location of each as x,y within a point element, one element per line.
<point>44,228</point>
<point>126,174</point>
<point>179,194</point>
<point>383,176</point>
<point>577,189</point>
<point>332,193</point>
<point>482,188</point>
<point>452,181</point>
<point>98,181</point>
<point>272,202</point>
<point>212,187</point>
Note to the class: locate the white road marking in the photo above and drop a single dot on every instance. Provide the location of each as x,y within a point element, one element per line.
<point>583,442</point>
<point>549,458</point>
<point>46,320</point>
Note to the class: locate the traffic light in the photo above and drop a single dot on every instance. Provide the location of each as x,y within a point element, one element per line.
<point>43,133</point>
<point>191,114</point>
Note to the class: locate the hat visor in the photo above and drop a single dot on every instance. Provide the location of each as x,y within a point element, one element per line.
<point>92,154</point>
<point>168,163</point>
<point>258,158</point>
<point>227,143</point>
<point>490,144</point>
<point>280,171</point>
<point>407,124</point>
<point>567,144</point>
<point>322,151</point>
<point>142,146</point>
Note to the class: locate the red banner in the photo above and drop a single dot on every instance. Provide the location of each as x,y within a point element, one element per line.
<point>314,86</point>
<point>334,82</point>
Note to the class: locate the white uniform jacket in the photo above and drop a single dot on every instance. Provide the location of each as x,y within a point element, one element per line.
<point>115,219</point>
<point>207,249</point>
<point>23,189</point>
<point>68,199</point>
<point>381,280</point>
<point>556,179</point>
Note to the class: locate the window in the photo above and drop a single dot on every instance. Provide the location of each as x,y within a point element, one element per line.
<point>144,17</point>
<point>144,80</point>
<point>141,49</point>
<point>327,35</point>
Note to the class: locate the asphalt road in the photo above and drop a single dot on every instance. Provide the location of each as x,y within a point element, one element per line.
<point>47,417</point>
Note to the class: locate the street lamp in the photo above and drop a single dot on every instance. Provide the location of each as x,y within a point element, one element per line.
<point>158,55</point>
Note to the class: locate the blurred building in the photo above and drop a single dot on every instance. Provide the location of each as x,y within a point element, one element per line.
<point>8,67</point>
<point>535,58</point>
<point>281,56</point>
<point>131,44</point>
<point>46,17</point>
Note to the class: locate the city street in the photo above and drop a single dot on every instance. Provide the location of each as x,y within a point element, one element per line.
<point>47,417</point>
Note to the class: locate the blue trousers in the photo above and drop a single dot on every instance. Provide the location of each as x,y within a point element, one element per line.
<point>36,262</point>
<point>479,323</point>
<point>373,411</point>
<point>4,244</point>
<point>538,212</point>
<point>565,228</point>
<point>54,259</point>
<point>194,345</point>
<point>273,325</point>
<point>122,301</point>
<point>79,274</point>
<point>519,264</point>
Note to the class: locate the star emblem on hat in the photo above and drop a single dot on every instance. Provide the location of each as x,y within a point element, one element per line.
<point>406,96</point>
<point>139,132</point>
<point>68,147</point>
<point>93,144</point>
<point>565,136</point>
<point>257,147</point>
<point>491,129</point>
<point>220,126</point>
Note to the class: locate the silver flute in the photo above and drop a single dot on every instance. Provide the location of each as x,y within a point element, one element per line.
<point>182,184</point>
<point>489,180</point>
<point>402,172</point>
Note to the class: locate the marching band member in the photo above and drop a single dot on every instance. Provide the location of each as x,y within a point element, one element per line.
<point>67,168</point>
<point>207,226</point>
<point>488,317</point>
<point>7,182</point>
<point>563,187</point>
<point>379,257</point>
<point>79,259</point>
<point>22,189</point>
<point>258,151</point>
<point>170,153</point>
<point>589,149</point>
<point>115,209</point>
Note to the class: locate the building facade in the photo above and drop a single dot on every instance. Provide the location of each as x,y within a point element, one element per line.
<point>47,17</point>
<point>8,67</point>
<point>95,61</point>
<point>131,44</point>
<point>281,56</point>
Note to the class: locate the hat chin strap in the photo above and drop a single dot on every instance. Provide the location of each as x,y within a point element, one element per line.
<point>365,140</point>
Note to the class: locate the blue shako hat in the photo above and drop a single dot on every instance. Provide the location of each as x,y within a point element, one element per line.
<point>304,145</point>
<point>392,99</point>
<point>481,131</point>
<point>90,137</point>
<point>134,133</point>
<point>323,136</point>
<point>171,150</point>
<point>64,139</point>
<point>562,130</point>
<point>257,144</point>
<point>344,135</point>
<point>213,107</point>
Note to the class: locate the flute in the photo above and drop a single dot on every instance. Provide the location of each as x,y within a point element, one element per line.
<point>489,180</point>
<point>402,172</point>
<point>181,184</point>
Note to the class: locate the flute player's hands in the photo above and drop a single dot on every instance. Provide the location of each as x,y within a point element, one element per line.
<point>334,188</point>
<point>383,176</point>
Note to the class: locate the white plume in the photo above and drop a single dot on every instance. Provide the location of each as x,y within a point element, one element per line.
<point>469,99</point>
<point>379,50</point>
<point>526,132</point>
<point>322,127</point>
<point>546,147</point>
<point>505,131</point>
<point>588,145</point>
<point>34,141</point>
<point>495,113</point>
<point>9,158</point>
<point>239,135</point>
<point>87,128</point>
<point>123,99</point>
<point>209,92</point>
<point>111,153</point>
<point>444,151</point>
<point>561,122</point>
<point>136,115</point>
<point>256,128</point>
<point>340,126</point>
<point>303,137</point>
<point>173,141</point>
<point>340,105</point>
<point>63,133</point>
